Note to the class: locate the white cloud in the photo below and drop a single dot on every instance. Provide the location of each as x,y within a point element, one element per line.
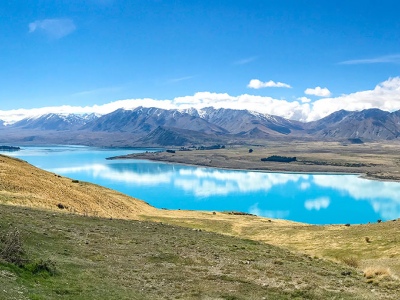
<point>394,59</point>
<point>54,28</point>
<point>385,96</point>
<point>257,84</point>
<point>318,91</point>
<point>304,99</point>
<point>317,204</point>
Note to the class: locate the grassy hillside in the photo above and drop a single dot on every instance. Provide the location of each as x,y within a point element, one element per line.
<point>24,184</point>
<point>98,258</point>
<point>100,244</point>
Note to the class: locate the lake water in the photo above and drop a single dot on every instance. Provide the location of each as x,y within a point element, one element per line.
<point>310,198</point>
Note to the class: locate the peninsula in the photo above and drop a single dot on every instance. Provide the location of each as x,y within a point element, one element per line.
<point>378,161</point>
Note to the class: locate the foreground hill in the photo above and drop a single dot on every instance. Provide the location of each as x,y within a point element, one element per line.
<point>24,184</point>
<point>98,255</point>
<point>95,258</point>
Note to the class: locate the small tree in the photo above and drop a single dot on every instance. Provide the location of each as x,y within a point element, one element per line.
<point>250,150</point>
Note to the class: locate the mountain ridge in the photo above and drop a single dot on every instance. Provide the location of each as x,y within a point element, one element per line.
<point>151,126</point>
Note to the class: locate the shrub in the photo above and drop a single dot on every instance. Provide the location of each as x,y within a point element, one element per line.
<point>11,248</point>
<point>277,158</point>
<point>351,261</point>
<point>12,251</point>
<point>43,267</point>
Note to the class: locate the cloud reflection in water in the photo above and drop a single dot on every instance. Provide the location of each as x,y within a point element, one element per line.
<point>383,196</point>
<point>207,182</point>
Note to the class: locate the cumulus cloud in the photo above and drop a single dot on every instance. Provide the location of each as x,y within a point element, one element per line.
<point>258,84</point>
<point>267,105</point>
<point>54,28</point>
<point>317,204</point>
<point>304,99</point>
<point>385,96</point>
<point>318,91</point>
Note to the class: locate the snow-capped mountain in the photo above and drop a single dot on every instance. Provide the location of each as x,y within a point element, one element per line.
<point>156,126</point>
<point>54,121</point>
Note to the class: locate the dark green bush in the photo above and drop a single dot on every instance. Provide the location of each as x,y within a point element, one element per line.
<point>47,267</point>
<point>278,158</point>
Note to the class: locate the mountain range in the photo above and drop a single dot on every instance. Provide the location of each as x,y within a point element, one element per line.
<point>160,127</point>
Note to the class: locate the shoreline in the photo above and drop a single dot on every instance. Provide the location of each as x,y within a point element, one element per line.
<point>226,160</point>
<point>359,174</point>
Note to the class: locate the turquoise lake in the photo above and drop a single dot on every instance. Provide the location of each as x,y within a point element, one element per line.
<point>310,198</point>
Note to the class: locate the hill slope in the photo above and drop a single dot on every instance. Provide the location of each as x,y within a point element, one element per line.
<point>24,184</point>
<point>117,259</point>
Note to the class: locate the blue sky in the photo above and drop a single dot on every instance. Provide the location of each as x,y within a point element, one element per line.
<point>301,55</point>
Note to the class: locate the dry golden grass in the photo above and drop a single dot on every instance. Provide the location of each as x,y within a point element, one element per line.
<point>24,185</point>
<point>376,272</point>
